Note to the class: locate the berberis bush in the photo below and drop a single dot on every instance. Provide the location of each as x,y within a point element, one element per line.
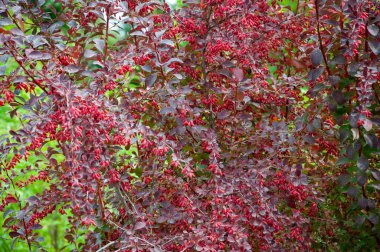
<point>223,125</point>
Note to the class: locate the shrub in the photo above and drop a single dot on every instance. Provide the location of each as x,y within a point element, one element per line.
<point>224,125</point>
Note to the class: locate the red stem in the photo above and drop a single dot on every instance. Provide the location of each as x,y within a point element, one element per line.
<point>25,70</point>
<point>320,38</point>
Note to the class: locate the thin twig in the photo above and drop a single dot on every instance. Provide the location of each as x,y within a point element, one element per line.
<point>106,246</point>
<point>133,237</point>
<point>320,38</point>
<point>25,70</point>
<point>107,28</point>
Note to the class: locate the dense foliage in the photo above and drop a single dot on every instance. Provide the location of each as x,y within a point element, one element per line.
<point>224,125</point>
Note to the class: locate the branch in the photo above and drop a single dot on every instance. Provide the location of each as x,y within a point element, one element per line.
<point>25,70</point>
<point>20,207</point>
<point>107,28</point>
<point>9,14</point>
<point>320,38</point>
<point>106,246</point>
